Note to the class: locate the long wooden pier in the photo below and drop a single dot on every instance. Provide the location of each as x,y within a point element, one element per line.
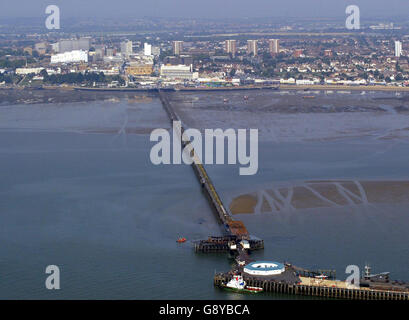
<point>205,181</point>
<point>295,280</point>
<point>216,203</point>
<point>235,231</point>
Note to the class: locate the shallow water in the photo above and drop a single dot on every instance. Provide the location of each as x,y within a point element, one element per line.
<point>94,205</point>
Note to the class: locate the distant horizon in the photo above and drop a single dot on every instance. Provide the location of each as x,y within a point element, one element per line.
<point>212,9</point>
<point>386,18</point>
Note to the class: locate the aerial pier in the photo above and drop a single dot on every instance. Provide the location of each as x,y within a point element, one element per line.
<point>273,276</point>
<point>236,237</point>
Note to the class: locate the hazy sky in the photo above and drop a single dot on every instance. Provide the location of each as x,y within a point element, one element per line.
<point>204,8</point>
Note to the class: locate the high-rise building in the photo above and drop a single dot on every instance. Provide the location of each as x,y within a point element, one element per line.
<point>126,48</point>
<point>177,47</point>
<point>398,49</point>
<point>147,49</point>
<point>231,47</point>
<point>252,47</point>
<point>274,46</point>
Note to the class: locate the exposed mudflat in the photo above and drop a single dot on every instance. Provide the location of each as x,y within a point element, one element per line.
<point>316,194</point>
<point>282,116</point>
<point>50,96</point>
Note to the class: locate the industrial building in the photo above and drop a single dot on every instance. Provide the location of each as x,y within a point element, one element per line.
<point>70,57</point>
<point>176,72</point>
<point>73,45</point>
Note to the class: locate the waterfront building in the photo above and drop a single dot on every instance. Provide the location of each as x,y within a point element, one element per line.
<point>176,72</point>
<point>70,57</point>
<point>264,268</point>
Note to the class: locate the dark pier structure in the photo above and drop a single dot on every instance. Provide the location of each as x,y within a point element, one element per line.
<point>289,283</point>
<point>236,237</point>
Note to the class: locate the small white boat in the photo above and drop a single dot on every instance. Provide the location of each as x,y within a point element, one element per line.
<point>238,284</point>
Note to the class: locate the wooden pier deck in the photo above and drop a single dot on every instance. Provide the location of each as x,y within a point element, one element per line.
<point>324,289</point>
<point>231,226</point>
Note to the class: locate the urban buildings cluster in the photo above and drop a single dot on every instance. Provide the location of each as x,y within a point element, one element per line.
<point>210,60</point>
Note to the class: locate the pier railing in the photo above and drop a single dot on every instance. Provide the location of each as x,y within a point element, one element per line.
<point>316,290</point>
<point>200,171</point>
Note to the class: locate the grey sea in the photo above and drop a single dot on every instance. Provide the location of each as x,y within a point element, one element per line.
<point>78,190</point>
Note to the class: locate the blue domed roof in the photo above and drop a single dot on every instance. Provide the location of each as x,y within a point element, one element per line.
<point>265,266</point>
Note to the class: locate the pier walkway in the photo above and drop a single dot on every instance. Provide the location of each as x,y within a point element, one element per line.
<point>235,231</point>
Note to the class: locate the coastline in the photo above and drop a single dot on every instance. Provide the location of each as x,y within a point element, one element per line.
<point>344,88</point>
<point>235,88</point>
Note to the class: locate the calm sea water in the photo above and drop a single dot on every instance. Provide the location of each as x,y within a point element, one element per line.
<point>94,205</point>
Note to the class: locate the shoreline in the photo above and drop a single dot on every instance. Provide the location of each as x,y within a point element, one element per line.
<point>236,88</point>
<point>277,87</point>
<point>344,88</point>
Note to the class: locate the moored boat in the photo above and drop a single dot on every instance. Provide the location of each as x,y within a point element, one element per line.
<point>237,284</point>
<point>181,240</point>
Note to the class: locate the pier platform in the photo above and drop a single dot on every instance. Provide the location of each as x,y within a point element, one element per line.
<point>314,287</point>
